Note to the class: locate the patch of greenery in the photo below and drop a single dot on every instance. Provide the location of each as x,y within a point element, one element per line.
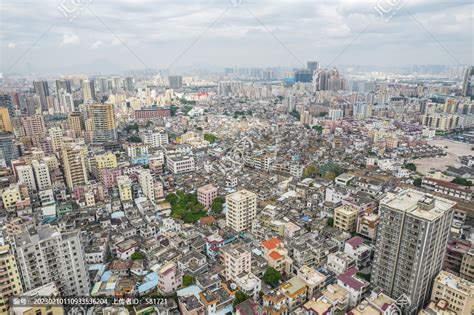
<point>210,137</point>
<point>240,297</point>
<point>417,182</point>
<point>137,256</point>
<point>365,276</point>
<point>462,181</point>
<point>410,167</point>
<point>271,276</point>
<point>310,171</point>
<point>173,110</point>
<point>131,127</point>
<point>134,139</point>
<point>188,280</point>
<point>217,205</point>
<point>185,207</point>
<point>330,222</point>
<point>318,128</point>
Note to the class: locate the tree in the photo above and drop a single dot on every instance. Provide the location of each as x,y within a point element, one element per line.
<point>188,280</point>
<point>410,166</point>
<point>137,256</point>
<point>210,137</point>
<point>172,198</point>
<point>462,181</point>
<point>318,128</point>
<point>173,110</point>
<point>240,297</point>
<point>217,205</point>
<point>134,139</point>
<point>271,276</point>
<point>330,222</point>
<point>310,171</point>
<point>331,175</point>
<point>417,182</point>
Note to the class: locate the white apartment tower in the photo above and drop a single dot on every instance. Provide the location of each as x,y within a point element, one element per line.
<point>56,136</point>
<point>46,255</point>
<point>146,183</point>
<point>236,260</point>
<point>241,209</point>
<point>41,170</point>
<point>25,176</point>
<point>410,245</point>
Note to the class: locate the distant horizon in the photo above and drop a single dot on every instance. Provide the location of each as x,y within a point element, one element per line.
<point>112,37</point>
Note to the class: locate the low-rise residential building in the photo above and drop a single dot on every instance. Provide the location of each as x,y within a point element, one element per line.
<point>206,194</point>
<point>169,278</point>
<point>276,255</point>
<point>345,218</point>
<point>457,292</point>
<point>467,266</point>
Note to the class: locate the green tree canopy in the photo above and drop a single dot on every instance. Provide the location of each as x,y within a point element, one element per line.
<point>240,297</point>
<point>137,256</point>
<point>310,171</point>
<point>210,137</point>
<point>330,222</point>
<point>188,280</point>
<point>271,276</point>
<point>462,181</point>
<point>417,182</point>
<point>410,166</point>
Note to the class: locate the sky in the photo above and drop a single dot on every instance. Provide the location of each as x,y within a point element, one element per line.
<point>71,36</point>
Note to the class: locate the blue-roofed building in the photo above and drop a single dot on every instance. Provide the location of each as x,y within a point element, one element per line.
<point>150,283</point>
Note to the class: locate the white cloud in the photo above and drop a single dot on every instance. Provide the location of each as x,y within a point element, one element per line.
<point>96,45</point>
<point>11,45</point>
<point>70,39</point>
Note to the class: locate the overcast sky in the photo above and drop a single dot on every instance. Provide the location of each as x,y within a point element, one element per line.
<point>125,34</point>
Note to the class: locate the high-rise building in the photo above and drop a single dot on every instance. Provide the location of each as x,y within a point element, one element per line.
<point>42,177</point>
<point>103,85</point>
<point>145,179</point>
<point>33,125</point>
<point>241,209</point>
<point>47,255</point>
<point>88,90</point>
<point>322,80</point>
<point>103,122</point>
<point>312,66</point>
<point>303,75</point>
<point>6,101</point>
<point>468,82</point>
<point>42,90</point>
<point>76,122</point>
<point>25,176</point>
<point>410,245</point>
<point>155,138</point>
<point>175,81</point>
<point>64,85</point>
<point>9,277</point>
<point>125,188</point>
<point>56,136</point>
<point>74,164</point>
<point>128,84</point>
<point>8,149</point>
<point>236,260</point>
<point>5,122</point>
